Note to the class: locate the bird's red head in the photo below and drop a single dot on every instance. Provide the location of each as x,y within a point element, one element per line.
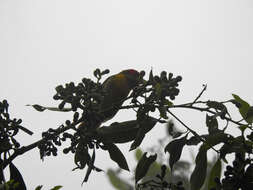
<point>131,72</point>
<point>132,76</point>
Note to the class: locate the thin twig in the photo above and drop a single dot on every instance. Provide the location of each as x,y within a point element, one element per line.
<point>192,131</point>
<point>24,149</point>
<point>187,106</point>
<point>200,94</point>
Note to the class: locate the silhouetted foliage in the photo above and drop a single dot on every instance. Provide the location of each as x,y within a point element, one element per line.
<point>93,103</point>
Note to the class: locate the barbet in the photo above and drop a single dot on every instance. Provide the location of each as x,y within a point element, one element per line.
<point>116,88</point>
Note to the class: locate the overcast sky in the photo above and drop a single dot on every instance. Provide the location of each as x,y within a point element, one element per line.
<point>50,42</point>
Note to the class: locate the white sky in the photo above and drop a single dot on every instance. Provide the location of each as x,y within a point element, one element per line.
<point>46,43</point>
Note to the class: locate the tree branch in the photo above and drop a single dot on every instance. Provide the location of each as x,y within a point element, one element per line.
<point>27,148</point>
<point>192,131</point>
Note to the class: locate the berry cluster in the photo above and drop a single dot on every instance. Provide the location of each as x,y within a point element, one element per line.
<point>48,146</point>
<point>84,95</point>
<point>78,96</point>
<point>237,176</point>
<point>8,129</point>
<point>163,86</point>
<point>54,137</point>
<point>156,92</point>
<point>168,85</point>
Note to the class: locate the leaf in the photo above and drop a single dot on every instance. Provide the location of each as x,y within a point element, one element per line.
<point>117,182</point>
<point>236,145</point>
<point>138,154</point>
<point>249,115</point>
<point>243,127</point>
<point>172,130</point>
<point>217,106</point>
<point>17,177</point>
<point>163,112</point>
<point>193,141</point>
<point>174,148</point>
<point>143,166</point>
<point>39,187</point>
<point>248,177</point>
<point>1,173</point>
<point>168,103</point>
<point>118,132</point>
<point>137,141</point>
<point>91,166</point>
<point>82,156</point>
<point>5,145</point>
<point>2,187</point>
<point>42,108</point>
<point>212,124</point>
<point>216,138</point>
<point>215,173</point>
<point>56,187</point>
<point>117,156</point>
<point>199,173</point>
<point>124,131</point>
<point>244,106</point>
<point>145,126</point>
<point>249,173</point>
<point>158,89</point>
<point>151,77</point>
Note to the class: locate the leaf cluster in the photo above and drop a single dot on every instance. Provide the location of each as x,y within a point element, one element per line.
<point>86,134</point>
<point>84,100</point>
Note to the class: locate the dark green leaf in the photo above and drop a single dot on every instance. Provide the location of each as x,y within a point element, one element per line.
<point>118,132</point>
<point>172,130</point>
<point>158,90</point>
<point>137,141</point>
<point>217,106</point>
<point>17,177</point>
<point>215,173</point>
<point>42,108</point>
<point>1,173</point>
<point>249,115</point>
<point>117,156</point>
<point>90,166</point>
<point>56,187</point>
<point>199,173</point>
<point>193,141</point>
<point>163,112</point>
<point>5,145</point>
<point>151,77</point>
<point>82,156</point>
<point>143,166</point>
<point>39,187</point>
<point>145,126</point>
<point>174,148</point>
<point>243,127</point>
<point>168,103</point>
<point>117,182</point>
<point>125,131</point>
<point>212,124</point>
<point>244,106</point>
<point>216,138</point>
<point>138,154</point>
<point>224,150</point>
<point>249,173</point>
<point>236,145</point>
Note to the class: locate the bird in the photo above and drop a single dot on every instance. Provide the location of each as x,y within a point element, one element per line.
<point>116,87</point>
